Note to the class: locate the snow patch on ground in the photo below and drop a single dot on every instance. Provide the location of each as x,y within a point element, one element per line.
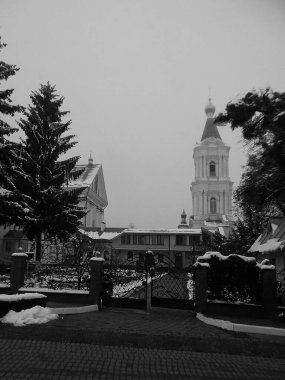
<point>35,315</point>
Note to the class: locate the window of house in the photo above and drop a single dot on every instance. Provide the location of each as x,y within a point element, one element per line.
<point>130,255</point>
<point>128,239</point>
<point>160,240</point>
<point>212,169</point>
<point>147,239</point>
<point>181,240</point>
<point>153,239</point>
<point>213,205</point>
<point>123,239</point>
<point>141,239</point>
<point>194,240</point>
<point>135,239</point>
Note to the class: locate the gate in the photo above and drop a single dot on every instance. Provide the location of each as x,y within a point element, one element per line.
<point>172,286</point>
<point>125,284</point>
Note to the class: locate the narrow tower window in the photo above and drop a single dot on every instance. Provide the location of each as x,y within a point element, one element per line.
<point>213,205</point>
<point>212,169</point>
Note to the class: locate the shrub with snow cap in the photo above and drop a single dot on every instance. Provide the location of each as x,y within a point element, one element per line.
<point>233,277</point>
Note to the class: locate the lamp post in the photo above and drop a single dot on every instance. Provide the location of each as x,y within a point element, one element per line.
<point>149,265</point>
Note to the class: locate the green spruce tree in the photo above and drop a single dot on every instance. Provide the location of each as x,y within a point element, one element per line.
<point>50,207</point>
<point>9,206</point>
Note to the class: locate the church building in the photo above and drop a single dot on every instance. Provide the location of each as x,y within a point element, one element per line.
<point>94,197</point>
<point>93,200</point>
<point>212,187</point>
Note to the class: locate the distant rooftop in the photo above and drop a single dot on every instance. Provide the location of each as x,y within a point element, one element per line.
<point>210,129</point>
<point>86,178</point>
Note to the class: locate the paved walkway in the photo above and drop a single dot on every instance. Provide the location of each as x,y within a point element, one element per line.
<point>62,360</point>
<point>133,344</point>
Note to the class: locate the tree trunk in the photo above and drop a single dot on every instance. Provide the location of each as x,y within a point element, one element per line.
<point>39,247</point>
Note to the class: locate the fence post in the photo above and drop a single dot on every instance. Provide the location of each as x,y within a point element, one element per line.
<point>96,278</point>
<point>19,265</point>
<point>148,291</point>
<point>269,291</point>
<point>200,285</point>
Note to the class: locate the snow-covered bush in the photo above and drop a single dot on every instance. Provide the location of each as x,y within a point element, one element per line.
<point>232,278</point>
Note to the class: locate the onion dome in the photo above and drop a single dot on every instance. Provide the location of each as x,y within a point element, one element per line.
<point>210,129</point>
<point>210,109</point>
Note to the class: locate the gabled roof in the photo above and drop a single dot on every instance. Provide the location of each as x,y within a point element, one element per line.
<point>86,178</point>
<point>92,178</point>
<point>168,231</point>
<point>272,238</point>
<point>210,130</point>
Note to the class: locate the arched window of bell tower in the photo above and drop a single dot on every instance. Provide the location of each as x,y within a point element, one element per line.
<point>213,205</point>
<point>212,169</point>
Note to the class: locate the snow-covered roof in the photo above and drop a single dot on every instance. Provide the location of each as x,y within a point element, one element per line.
<point>272,238</point>
<point>225,222</point>
<point>86,178</point>
<point>111,233</point>
<point>107,234</point>
<point>187,231</point>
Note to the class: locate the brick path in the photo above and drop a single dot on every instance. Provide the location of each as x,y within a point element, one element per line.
<point>24,359</point>
<point>131,344</point>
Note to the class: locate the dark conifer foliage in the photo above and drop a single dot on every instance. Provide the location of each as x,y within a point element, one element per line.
<point>49,206</point>
<point>9,206</point>
<point>261,117</point>
<point>245,231</point>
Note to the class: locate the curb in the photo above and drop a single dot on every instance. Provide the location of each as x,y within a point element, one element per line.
<point>236,327</point>
<point>73,310</point>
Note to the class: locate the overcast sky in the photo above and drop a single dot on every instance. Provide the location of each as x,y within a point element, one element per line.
<point>135,75</point>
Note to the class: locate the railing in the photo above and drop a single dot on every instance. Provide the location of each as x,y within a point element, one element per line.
<point>5,271</point>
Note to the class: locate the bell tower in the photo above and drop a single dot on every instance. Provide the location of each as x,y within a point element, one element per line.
<point>212,187</point>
